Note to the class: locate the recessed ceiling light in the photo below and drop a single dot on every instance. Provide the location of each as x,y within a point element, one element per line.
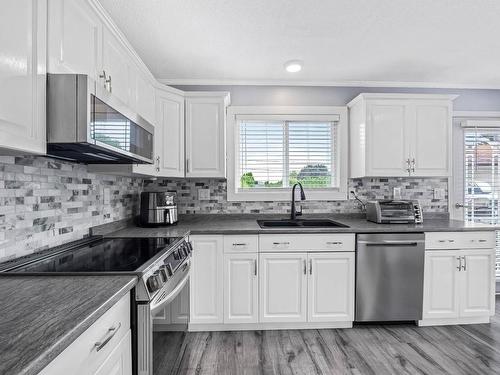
<point>293,66</point>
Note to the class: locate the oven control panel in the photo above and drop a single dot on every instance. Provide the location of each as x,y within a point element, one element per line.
<point>166,267</point>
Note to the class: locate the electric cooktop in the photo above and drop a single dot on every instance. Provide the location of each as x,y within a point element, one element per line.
<point>99,255</point>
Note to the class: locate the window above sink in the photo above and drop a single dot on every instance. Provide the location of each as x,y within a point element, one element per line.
<point>271,148</point>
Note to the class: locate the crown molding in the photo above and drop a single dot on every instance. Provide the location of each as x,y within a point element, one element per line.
<point>388,84</point>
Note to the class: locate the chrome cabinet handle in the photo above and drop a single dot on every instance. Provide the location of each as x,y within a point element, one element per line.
<point>310,266</point>
<point>108,83</point>
<point>334,242</point>
<point>255,267</point>
<point>413,165</point>
<point>459,263</point>
<point>109,335</point>
<point>464,267</point>
<point>281,243</point>
<point>240,244</point>
<point>482,240</point>
<point>187,165</point>
<point>305,267</point>
<point>157,164</point>
<point>408,166</point>
<point>103,75</point>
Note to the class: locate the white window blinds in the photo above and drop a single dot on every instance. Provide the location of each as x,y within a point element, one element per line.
<point>482,179</point>
<point>276,154</point>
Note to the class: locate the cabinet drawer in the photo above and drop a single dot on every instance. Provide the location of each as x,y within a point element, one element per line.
<point>236,243</point>
<point>459,240</point>
<point>306,242</point>
<point>82,357</point>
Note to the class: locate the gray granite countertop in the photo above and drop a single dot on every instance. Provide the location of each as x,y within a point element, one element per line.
<point>42,315</point>
<point>247,224</point>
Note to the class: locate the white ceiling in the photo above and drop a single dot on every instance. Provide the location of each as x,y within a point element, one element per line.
<point>428,43</point>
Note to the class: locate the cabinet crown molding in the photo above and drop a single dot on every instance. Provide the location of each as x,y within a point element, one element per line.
<point>402,96</point>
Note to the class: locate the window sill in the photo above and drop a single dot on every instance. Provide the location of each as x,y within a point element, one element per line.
<point>282,195</point>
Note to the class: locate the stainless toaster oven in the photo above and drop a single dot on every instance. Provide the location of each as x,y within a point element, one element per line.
<point>394,211</point>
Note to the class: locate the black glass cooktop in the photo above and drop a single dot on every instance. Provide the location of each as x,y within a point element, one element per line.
<point>105,255</point>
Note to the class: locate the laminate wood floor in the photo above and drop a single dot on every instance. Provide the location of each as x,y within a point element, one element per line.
<point>375,349</point>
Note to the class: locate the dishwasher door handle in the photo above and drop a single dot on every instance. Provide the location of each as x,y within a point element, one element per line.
<point>390,243</point>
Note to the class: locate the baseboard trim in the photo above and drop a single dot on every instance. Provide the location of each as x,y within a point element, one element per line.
<point>453,321</point>
<point>265,326</point>
<point>169,327</point>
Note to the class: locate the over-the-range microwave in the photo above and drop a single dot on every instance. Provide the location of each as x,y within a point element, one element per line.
<point>88,124</point>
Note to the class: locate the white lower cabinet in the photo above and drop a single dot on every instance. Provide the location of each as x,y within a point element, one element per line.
<point>331,287</point>
<point>104,348</point>
<point>206,283</point>
<point>119,362</point>
<point>245,282</point>
<point>458,284</point>
<point>241,294</point>
<point>283,287</point>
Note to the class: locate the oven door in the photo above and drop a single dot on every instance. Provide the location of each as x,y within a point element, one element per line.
<point>155,323</point>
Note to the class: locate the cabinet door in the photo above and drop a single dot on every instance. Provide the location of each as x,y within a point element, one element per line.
<point>477,287</point>
<point>206,284</point>
<point>240,288</point>
<point>116,64</point>
<point>169,141</point>
<point>74,38</point>
<point>180,307</point>
<point>331,287</point>
<point>441,283</point>
<point>431,138</point>
<point>119,362</point>
<point>387,145</point>
<point>145,98</point>
<point>23,42</point>
<point>205,137</point>
<point>283,287</point>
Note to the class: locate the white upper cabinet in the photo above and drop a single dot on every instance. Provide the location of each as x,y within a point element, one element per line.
<point>430,146</point>
<point>169,139</point>
<point>400,135</point>
<point>118,78</point>
<point>23,42</point>
<point>206,134</point>
<point>74,38</point>
<point>145,98</point>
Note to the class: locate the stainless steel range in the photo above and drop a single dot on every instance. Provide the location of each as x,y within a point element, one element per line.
<point>162,265</point>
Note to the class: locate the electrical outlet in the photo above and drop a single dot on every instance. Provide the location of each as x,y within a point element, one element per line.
<point>204,194</point>
<point>396,193</point>
<point>438,193</point>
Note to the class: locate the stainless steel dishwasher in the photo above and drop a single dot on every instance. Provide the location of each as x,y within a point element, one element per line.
<point>389,277</point>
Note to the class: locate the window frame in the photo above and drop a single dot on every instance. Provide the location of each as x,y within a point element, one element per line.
<point>335,114</point>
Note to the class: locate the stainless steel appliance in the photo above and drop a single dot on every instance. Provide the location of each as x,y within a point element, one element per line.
<point>389,277</point>
<point>394,211</point>
<point>86,123</point>
<point>158,208</point>
<point>161,264</point>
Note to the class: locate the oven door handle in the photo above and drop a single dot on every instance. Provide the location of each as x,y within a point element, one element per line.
<point>169,298</point>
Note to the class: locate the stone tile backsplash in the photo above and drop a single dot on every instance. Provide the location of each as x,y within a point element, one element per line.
<point>366,188</point>
<point>45,202</point>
